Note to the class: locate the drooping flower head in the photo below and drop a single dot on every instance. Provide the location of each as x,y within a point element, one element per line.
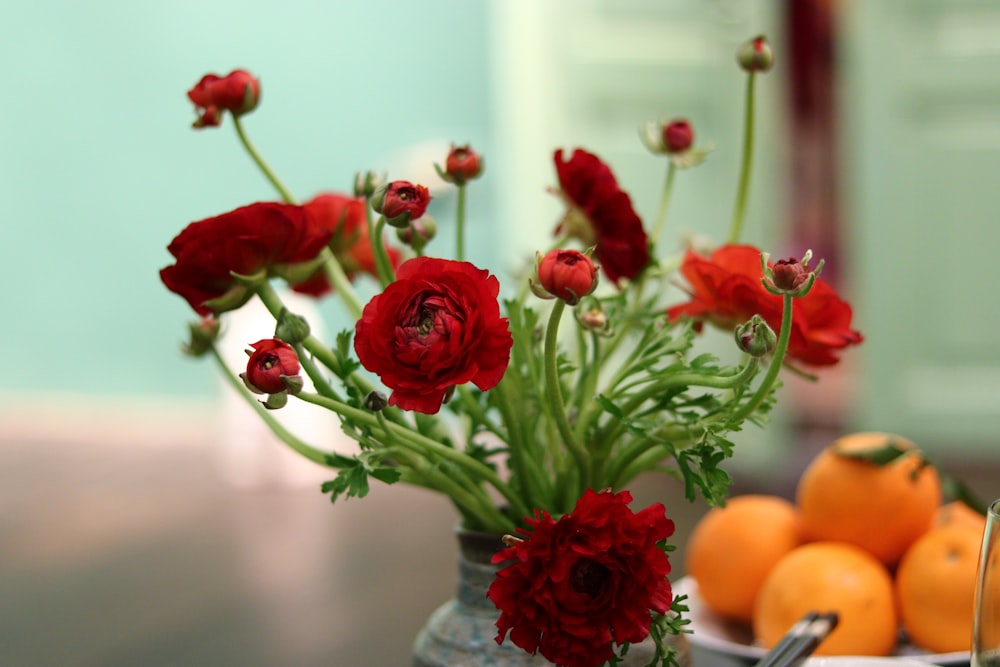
<point>601,214</point>
<point>263,237</point>
<point>238,93</point>
<point>270,366</point>
<point>726,290</point>
<point>436,326</point>
<point>575,586</point>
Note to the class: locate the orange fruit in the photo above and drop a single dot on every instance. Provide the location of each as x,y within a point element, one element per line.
<point>880,508</point>
<point>957,513</point>
<point>830,576</point>
<point>732,548</point>
<point>935,588</point>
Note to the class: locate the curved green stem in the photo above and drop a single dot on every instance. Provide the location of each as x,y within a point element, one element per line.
<point>383,267</point>
<point>740,207</point>
<point>775,367</point>
<point>295,443</point>
<point>553,393</point>
<point>341,283</point>
<point>460,224</point>
<point>661,214</point>
<point>284,192</point>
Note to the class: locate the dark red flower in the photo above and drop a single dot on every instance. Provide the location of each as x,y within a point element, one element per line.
<point>576,585</point>
<point>400,202</point>
<point>601,214</point>
<point>677,136</point>
<point>726,290</point>
<point>264,236</point>
<point>567,274</point>
<point>789,274</point>
<point>238,93</point>
<point>345,218</point>
<point>272,361</point>
<point>463,164</point>
<point>438,325</point>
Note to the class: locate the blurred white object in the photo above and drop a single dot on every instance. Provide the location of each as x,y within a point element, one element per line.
<point>250,454</point>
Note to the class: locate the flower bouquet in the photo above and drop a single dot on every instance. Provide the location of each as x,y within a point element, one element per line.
<point>534,412</point>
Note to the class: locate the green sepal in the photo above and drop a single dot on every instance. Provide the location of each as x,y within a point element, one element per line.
<point>276,401</point>
<point>879,456</point>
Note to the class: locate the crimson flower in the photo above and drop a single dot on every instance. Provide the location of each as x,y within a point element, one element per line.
<point>567,274</point>
<point>601,214</point>
<point>400,202</point>
<point>238,93</point>
<point>578,584</point>
<point>345,218</point>
<point>726,290</point>
<point>270,365</point>
<point>677,136</point>
<point>436,326</point>
<point>462,164</point>
<point>265,236</point>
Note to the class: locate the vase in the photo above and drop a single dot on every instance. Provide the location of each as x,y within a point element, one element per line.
<point>462,632</point>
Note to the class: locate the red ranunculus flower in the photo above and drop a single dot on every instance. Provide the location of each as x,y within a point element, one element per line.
<point>578,584</point>
<point>567,274</point>
<point>271,362</point>
<point>608,219</point>
<point>462,164</point>
<point>678,136</point>
<point>252,238</point>
<point>726,290</point>
<point>345,217</point>
<point>238,93</point>
<point>400,202</point>
<point>438,325</point>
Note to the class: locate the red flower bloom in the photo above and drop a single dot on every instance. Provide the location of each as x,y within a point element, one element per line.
<point>727,291</point>
<point>438,325</point>
<point>576,585</point>
<point>345,218</point>
<point>601,214</point>
<point>567,274</point>
<point>261,236</point>
<point>238,93</point>
<point>400,202</point>
<point>677,136</point>
<point>463,164</point>
<point>271,360</point>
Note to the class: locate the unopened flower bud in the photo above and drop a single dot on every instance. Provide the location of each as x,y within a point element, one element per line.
<point>755,55</point>
<point>418,232</point>
<point>677,135</point>
<point>755,337</point>
<point>462,164</point>
<point>291,328</point>
<point>789,274</point>
<point>593,319</point>
<point>376,401</point>
<point>273,368</point>
<point>400,202</point>
<point>202,336</point>
<point>567,274</point>
<point>366,183</point>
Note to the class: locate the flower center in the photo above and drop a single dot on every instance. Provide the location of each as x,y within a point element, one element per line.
<point>588,577</point>
<point>269,362</point>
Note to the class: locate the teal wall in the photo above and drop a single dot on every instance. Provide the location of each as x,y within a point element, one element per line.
<point>99,168</point>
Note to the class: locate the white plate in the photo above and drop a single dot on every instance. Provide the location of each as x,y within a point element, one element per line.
<point>717,642</point>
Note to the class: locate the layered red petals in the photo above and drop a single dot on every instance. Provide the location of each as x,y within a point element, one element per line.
<point>270,363</point>
<point>726,290</point>
<point>590,187</point>
<point>437,326</point>
<point>577,585</point>
<point>258,237</point>
<point>238,93</point>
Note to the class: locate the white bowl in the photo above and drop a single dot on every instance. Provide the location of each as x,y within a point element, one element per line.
<point>718,642</point>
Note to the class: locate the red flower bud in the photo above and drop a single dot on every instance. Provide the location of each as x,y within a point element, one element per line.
<point>238,93</point>
<point>755,55</point>
<point>789,274</point>
<point>567,274</point>
<point>271,365</point>
<point>463,164</point>
<point>400,202</point>
<point>677,136</point>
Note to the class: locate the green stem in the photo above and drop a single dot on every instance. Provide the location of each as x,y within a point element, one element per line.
<point>383,267</point>
<point>460,224</point>
<point>740,207</point>
<point>283,434</point>
<point>341,283</point>
<point>661,214</point>
<point>775,367</point>
<point>285,194</point>
<point>553,393</point>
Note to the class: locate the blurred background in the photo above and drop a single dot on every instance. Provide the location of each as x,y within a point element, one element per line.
<point>146,518</point>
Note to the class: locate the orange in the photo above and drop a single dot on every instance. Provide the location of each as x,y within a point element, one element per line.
<point>880,508</point>
<point>830,576</point>
<point>935,587</point>
<point>958,513</point>
<point>732,548</point>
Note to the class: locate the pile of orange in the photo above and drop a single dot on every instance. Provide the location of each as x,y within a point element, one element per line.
<point>870,540</point>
